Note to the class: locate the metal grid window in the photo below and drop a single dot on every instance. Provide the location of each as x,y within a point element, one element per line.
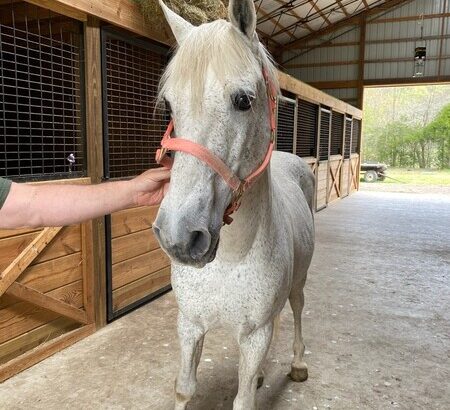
<point>356,136</point>
<point>132,70</point>
<point>307,116</point>
<point>324,134</point>
<point>285,124</point>
<point>337,129</point>
<point>41,124</point>
<point>348,137</point>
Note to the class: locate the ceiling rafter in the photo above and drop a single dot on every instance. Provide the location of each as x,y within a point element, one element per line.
<point>275,22</point>
<point>293,13</point>
<point>342,7</point>
<point>319,10</point>
<point>353,19</point>
<point>311,17</point>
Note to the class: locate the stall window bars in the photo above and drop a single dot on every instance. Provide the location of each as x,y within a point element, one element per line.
<point>41,100</point>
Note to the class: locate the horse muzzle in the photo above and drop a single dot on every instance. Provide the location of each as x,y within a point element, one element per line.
<point>186,242</point>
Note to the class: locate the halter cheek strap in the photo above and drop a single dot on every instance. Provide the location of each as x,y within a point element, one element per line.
<point>237,185</point>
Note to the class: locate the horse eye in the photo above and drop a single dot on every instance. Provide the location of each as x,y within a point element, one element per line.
<point>242,101</point>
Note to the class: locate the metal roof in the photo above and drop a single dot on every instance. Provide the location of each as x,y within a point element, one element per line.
<point>284,22</point>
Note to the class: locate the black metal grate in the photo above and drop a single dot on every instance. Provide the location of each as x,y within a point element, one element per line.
<point>337,129</point>
<point>348,137</point>
<point>134,128</point>
<point>41,120</point>
<point>285,125</point>
<point>307,116</point>
<point>324,135</point>
<point>356,137</point>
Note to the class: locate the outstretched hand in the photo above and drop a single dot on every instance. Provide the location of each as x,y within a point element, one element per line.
<point>151,186</point>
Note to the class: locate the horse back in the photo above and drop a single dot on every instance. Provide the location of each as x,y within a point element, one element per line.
<point>289,168</point>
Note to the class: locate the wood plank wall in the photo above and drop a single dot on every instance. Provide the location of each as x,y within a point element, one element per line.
<point>139,266</point>
<point>62,271</point>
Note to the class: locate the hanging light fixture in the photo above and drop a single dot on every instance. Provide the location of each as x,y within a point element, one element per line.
<point>420,53</point>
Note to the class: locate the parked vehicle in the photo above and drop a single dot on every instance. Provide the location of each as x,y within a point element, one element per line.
<point>373,172</point>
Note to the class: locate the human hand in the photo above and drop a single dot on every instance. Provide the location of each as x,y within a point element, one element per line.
<point>150,187</point>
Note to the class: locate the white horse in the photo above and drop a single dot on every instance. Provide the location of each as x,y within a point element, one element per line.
<point>215,87</point>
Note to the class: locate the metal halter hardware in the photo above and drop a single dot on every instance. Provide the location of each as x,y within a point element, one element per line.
<point>237,185</point>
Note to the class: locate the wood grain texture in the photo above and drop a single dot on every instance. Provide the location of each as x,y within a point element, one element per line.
<point>47,302</point>
<point>122,13</point>
<point>137,290</point>
<point>34,356</point>
<point>23,317</point>
<point>29,340</point>
<point>132,220</point>
<point>24,259</point>
<point>94,139</point>
<point>136,268</point>
<point>135,244</point>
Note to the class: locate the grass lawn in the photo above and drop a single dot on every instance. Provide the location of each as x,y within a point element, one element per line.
<point>417,176</point>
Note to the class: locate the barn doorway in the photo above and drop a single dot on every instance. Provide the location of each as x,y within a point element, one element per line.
<point>407,130</point>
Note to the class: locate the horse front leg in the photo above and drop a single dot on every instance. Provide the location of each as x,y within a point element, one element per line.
<point>253,350</point>
<point>191,344</point>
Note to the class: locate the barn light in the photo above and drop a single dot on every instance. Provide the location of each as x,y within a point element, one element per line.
<point>420,54</point>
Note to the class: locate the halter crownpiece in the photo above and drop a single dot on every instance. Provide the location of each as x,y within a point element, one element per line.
<point>237,185</point>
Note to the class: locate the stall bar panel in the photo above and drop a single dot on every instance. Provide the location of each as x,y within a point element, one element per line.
<point>137,269</point>
<point>323,154</point>
<point>41,104</point>
<point>345,174</point>
<point>306,133</point>
<point>286,124</point>
<point>336,159</point>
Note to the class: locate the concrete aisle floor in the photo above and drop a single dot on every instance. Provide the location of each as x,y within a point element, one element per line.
<point>376,326</point>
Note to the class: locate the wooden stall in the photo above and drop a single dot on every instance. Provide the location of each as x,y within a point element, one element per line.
<point>78,84</point>
<point>325,132</point>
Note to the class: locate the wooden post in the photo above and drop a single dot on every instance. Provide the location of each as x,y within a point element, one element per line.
<point>94,129</point>
<point>362,51</point>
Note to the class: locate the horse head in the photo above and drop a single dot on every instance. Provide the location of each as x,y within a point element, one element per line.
<point>215,89</point>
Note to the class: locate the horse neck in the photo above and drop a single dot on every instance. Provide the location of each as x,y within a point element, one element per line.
<point>238,237</point>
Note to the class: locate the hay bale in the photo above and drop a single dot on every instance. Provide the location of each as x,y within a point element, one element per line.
<point>194,11</point>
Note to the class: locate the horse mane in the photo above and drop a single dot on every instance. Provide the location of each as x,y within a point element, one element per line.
<point>217,46</point>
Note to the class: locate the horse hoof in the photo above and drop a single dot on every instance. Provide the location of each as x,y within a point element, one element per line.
<point>260,381</point>
<point>298,374</point>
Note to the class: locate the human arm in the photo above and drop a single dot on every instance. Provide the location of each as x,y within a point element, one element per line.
<point>60,205</point>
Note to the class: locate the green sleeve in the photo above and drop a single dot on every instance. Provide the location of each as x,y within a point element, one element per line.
<point>5,186</point>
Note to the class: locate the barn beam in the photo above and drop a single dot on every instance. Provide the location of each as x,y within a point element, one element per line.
<point>361,59</point>
<point>319,11</point>
<point>342,7</point>
<point>122,13</point>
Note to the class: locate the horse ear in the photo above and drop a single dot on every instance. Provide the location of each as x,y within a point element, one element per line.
<point>242,15</point>
<point>180,27</point>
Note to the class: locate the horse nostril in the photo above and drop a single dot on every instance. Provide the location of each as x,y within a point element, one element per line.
<point>199,243</point>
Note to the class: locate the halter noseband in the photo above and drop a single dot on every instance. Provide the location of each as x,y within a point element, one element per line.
<point>237,185</point>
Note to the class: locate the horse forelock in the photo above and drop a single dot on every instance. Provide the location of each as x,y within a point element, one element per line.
<point>215,46</point>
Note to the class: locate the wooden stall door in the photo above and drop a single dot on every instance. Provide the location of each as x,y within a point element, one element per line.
<point>46,293</point>
<point>137,269</point>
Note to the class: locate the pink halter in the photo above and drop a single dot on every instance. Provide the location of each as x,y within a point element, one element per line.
<point>237,185</point>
